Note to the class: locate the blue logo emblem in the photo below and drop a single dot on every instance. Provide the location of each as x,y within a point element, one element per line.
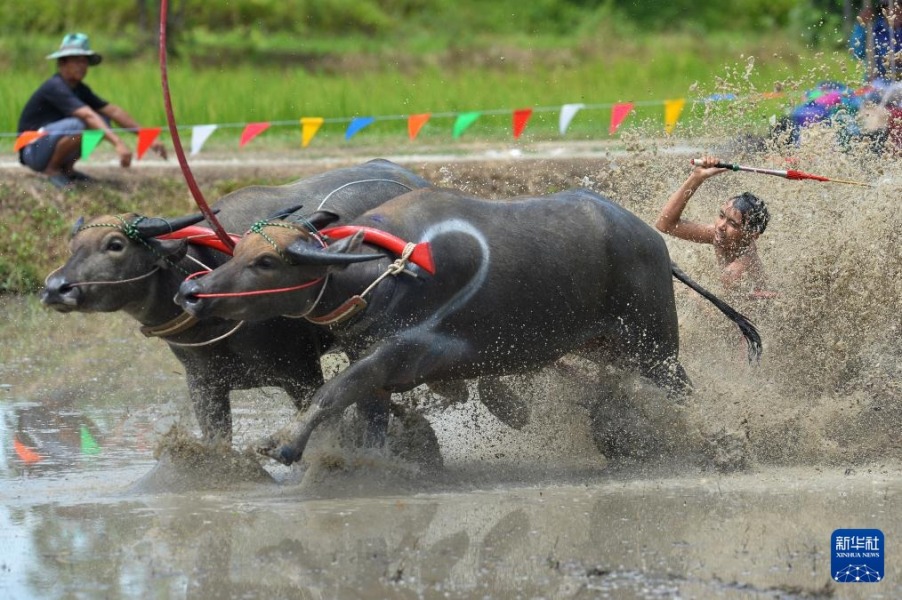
<point>857,555</point>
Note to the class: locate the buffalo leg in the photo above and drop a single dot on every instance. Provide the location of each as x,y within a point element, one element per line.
<point>375,412</point>
<point>212,409</point>
<point>388,367</point>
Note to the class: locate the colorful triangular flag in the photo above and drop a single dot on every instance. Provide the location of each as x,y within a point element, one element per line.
<point>88,444</point>
<point>356,124</point>
<point>26,137</point>
<point>463,122</point>
<point>521,118</point>
<point>146,137</point>
<point>199,136</point>
<point>309,127</point>
<point>89,140</point>
<point>252,130</point>
<point>672,110</point>
<point>619,112</point>
<point>568,111</point>
<point>415,123</point>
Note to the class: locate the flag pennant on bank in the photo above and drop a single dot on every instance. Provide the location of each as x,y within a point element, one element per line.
<point>672,110</point>
<point>356,124</point>
<point>619,112</point>
<point>251,131</point>
<point>199,136</point>
<point>463,122</point>
<point>89,141</point>
<point>521,118</point>
<point>415,123</point>
<point>146,137</point>
<point>25,138</point>
<point>309,127</point>
<point>568,111</point>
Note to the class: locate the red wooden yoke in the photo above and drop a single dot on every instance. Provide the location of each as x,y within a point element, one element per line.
<point>421,256</point>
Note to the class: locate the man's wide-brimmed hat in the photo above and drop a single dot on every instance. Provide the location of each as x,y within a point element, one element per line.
<point>76,44</point>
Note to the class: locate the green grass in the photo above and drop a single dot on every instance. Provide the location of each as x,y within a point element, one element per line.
<point>495,77</point>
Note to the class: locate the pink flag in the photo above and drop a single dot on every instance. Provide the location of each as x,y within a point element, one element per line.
<point>252,130</point>
<point>146,137</point>
<point>619,112</point>
<point>521,117</point>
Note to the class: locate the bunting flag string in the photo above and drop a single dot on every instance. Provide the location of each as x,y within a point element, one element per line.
<point>310,126</point>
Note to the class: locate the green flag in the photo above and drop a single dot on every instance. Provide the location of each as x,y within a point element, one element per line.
<point>88,444</point>
<point>464,120</point>
<point>89,141</point>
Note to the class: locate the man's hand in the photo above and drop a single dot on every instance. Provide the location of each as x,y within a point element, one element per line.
<point>159,149</point>
<point>125,155</point>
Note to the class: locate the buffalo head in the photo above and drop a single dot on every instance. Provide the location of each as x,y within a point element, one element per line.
<point>277,269</point>
<point>112,262</point>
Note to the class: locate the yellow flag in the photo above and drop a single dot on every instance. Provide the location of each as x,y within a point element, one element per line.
<point>309,127</point>
<point>672,110</point>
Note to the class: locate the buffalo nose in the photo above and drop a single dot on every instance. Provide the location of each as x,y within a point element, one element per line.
<point>187,296</point>
<point>59,292</point>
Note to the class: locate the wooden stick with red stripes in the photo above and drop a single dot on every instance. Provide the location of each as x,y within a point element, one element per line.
<point>787,174</point>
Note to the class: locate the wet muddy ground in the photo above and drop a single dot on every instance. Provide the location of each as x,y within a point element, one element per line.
<point>104,494</point>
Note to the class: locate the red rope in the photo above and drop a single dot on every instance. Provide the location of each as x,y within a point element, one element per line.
<point>253,292</point>
<point>176,140</point>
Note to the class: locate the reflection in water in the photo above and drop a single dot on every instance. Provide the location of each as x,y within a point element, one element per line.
<point>739,537</point>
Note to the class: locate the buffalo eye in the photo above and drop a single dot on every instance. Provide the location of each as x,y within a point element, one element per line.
<point>115,244</point>
<point>266,262</point>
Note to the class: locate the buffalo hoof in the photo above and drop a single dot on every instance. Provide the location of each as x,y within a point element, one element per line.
<point>282,454</point>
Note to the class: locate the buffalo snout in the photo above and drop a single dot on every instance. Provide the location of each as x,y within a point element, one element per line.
<point>188,297</point>
<point>60,294</point>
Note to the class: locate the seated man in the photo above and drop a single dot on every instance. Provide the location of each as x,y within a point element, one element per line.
<point>62,108</point>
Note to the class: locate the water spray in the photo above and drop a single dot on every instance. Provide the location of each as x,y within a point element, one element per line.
<point>786,174</point>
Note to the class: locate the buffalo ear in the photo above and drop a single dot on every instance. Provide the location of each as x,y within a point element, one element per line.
<point>169,252</point>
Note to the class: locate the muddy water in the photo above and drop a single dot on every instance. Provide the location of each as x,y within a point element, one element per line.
<point>735,496</point>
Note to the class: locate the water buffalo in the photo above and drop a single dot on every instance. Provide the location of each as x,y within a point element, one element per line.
<point>490,288</point>
<point>118,263</point>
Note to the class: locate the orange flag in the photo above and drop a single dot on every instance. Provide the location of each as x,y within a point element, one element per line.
<point>672,110</point>
<point>415,123</point>
<point>309,127</point>
<point>619,112</point>
<point>26,138</point>
<point>252,130</point>
<point>521,117</point>
<point>146,137</point>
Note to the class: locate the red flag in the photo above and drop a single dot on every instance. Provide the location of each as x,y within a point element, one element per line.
<point>252,130</point>
<point>146,137</point>
<point>415,123</point>
<point>26,138</point>
<point>521,117</point>
<point>618,113</point>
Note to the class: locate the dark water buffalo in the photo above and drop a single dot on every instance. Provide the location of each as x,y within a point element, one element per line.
<point>516,285</point>
<point>118,264</point>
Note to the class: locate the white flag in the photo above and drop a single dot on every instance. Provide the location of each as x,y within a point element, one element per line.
<point>568,111</point>
<point>199,135</point>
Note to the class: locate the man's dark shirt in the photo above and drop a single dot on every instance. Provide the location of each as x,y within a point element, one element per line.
<point>55,100</point>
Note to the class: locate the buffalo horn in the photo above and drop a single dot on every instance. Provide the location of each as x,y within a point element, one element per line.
<point>306,254</point>
<point>154,226</point>
<point>77,226</point>
<point>284,212</point>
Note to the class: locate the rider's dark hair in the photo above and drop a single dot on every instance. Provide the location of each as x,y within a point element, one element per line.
<point>754,212</point>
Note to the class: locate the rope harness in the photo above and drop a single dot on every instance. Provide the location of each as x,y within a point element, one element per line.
<point>347,309</point>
